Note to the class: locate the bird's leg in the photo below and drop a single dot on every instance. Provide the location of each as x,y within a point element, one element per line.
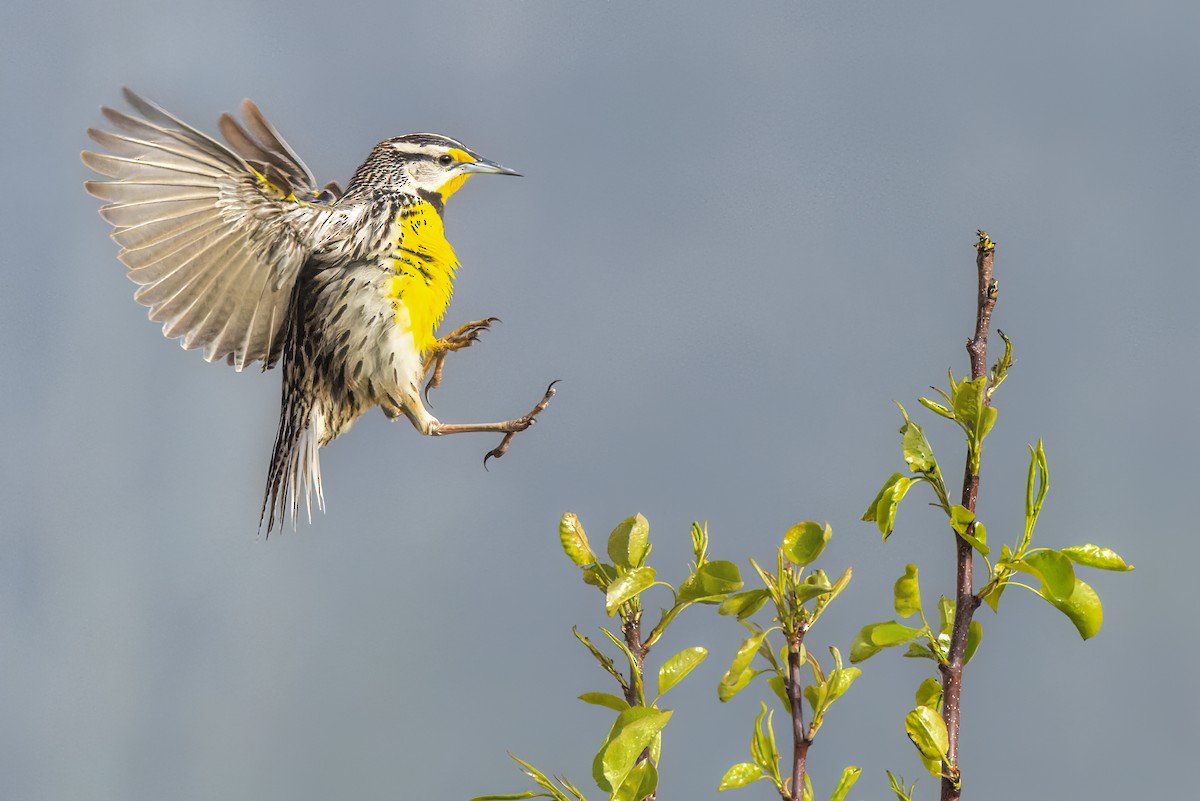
<point>458,339</point>
<point>508,427</point>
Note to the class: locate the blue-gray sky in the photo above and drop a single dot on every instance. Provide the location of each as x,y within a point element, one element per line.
<point>744,230</point>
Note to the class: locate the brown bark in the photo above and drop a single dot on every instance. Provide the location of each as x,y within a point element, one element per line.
<point>800,741</point>
<point>965,600</point>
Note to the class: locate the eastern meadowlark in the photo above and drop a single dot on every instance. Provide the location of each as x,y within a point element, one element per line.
<point>236,250</point>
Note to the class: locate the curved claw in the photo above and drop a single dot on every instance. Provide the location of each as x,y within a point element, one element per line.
<point>529,419</point>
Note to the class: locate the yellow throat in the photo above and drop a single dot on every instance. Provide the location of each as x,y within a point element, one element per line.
<point>424,263</point>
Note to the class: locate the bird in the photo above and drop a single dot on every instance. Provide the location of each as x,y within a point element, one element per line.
<point>236,250</point>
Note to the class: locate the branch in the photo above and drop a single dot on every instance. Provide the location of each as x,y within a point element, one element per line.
<point>800,739</point>
<point>632,629</point>
<point>965,600</point>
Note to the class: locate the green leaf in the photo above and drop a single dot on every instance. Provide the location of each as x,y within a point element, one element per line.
<point>626,587</point>
<point>768,581</point>
<point>542,780</point>
<point>599,575</point>
<point>762,744</point>
<point>961,519</point>
<point>779,687</point>
<point>936,407</point>
<point>605,699</point>
<point>892,633</point>
<point>813,693</point>
<point>945,614</point>
<point>930,694</point>
<point>999,572</point>
<point>1044,484</point>
<point>917,650</point>
<point>872,513</point>
<point>992,599</point>
<point>1002,365</point>
<point>907,593</point>
<point>977,536</point>
<point>627,545</point>
<point>727,691</point>
<point>918,453</point>
<point>605,662</point>
<point>744,604</point>
<point>849,777</point>
<point>1055,571</point>
<point>839,585</point>
<point>511,796</point>
<point>700,542</point>
<point>1030,485</point>
<point>812,587</point>
<point>641,782</point>
<point>679,666</point>
<point>740,775</point>
<point>574,541</point>
<point>1095,556</point>
<point>972,414</point>
<point>632,733</point>
<point>883,508</point>
<point>974,637</point>
<point>635,673</point>
<point>874,637</point>
<point>1082,607</point>
<point>712,581</point>
<point>927,730</point>
<point>839,681</point>
<point>803,542</point>
<point>743,657</point>
<point>897,783</point>
<point>862,647</point>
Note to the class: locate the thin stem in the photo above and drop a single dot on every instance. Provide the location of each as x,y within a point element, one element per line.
<point>632,629</point>
<point>800,739</point>
<point>965,600</point>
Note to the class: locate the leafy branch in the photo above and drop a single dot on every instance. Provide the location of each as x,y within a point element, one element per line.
<point>933,726</point>
<point>798,602</point>
<point>626,765</point>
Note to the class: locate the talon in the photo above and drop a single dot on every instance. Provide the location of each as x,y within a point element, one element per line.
<point>436,381</point>
<point>521,424</point>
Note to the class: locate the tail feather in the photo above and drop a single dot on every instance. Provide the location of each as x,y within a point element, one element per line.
<point>295,464</point>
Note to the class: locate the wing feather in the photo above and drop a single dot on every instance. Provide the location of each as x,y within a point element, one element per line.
<point>126,215</point>
<point>214,235</point>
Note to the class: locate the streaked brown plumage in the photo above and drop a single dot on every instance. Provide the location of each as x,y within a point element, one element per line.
<point>237,251</point>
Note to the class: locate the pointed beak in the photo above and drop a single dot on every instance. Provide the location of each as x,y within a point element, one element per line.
<point>489,167</point>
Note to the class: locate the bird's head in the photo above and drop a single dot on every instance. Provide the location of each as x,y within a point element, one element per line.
<point>429,165</point>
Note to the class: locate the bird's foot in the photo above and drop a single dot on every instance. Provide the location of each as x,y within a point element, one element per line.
<point>520,424</point>
<point>509,428</point>
<point>459,338</point>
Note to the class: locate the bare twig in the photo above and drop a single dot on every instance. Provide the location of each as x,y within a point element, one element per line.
<point>965,600</point>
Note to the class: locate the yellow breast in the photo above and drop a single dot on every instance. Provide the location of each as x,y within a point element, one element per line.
<point>424,264</point>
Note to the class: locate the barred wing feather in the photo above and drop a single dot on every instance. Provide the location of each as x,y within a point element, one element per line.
<point>213,236</point>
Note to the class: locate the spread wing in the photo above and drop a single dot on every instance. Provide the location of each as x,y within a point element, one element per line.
<point>213,235</point>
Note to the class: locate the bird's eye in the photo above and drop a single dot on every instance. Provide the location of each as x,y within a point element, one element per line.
<point>446,160</point>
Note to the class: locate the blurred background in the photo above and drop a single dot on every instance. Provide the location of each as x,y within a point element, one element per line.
<point>743,231</point>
